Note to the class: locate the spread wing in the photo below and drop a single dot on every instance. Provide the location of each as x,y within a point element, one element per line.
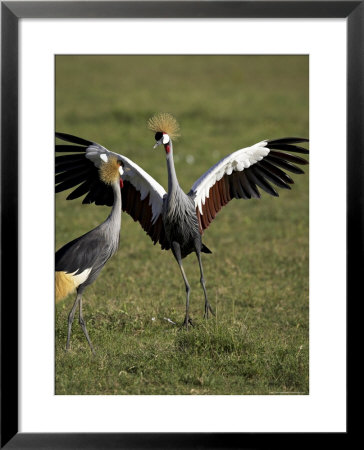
<point>142,196</point>
<point>242,173</point>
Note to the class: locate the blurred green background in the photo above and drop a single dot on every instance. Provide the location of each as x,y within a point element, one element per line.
<point>257,276</point>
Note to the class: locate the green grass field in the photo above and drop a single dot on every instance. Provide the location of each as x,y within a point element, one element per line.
<point>257,276</point>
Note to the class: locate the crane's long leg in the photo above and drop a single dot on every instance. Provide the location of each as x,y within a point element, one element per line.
<point>84,329</point>
<point>71,317</point>
<point>176,249</point>
<point>202,281</point>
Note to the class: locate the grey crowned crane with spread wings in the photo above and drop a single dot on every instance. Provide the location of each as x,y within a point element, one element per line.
<point>79,262</point>
<point>177,220</point>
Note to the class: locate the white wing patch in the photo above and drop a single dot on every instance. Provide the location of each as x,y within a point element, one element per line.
<point>140,179</point>
<point>80,277</point>
<point>97,153</point>
<point>237,161</point>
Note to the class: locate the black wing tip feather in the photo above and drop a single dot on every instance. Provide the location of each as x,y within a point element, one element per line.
<point>288,144</point>
<point>70,148</point>
<point>287,140</point>
<point>71,138</point>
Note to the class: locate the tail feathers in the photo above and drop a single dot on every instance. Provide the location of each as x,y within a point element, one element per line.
<point>205,249</point>
<point>65,284</point>
<point>68,282</point>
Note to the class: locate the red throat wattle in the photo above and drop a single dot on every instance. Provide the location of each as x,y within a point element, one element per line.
<point>167,146</point>
<point>121,183</point>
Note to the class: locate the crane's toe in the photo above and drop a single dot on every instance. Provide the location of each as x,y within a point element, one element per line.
<point>208,309</point>
<point>187,322</point>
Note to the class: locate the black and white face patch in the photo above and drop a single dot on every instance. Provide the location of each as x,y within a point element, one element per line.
<point>158,136</point>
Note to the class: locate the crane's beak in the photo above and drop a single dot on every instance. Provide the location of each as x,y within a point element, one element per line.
<point>160,142</point>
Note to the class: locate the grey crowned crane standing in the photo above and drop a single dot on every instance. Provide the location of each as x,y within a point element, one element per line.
<point>177,220</point>
<point>79,262</point>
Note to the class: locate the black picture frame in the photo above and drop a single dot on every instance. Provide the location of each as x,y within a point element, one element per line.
<point>11,13</point>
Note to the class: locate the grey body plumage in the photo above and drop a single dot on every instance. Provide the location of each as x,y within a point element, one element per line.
<point>180,222</point>
<point>182,228</point>
<point>93,249</point>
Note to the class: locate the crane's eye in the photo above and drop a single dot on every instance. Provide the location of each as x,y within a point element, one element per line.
<point>120,163</point>
<point>158,135</point>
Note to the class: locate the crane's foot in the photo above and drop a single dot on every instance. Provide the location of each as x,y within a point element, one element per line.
<point>92,350</point>
<point>186,323</point>
<point>208,309</point>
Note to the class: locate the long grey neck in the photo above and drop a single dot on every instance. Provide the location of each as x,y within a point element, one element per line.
<point>173,184</point>
<point>115,216</point>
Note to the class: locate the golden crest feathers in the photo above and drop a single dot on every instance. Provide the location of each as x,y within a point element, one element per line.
<point>109,171</point>
<point>165,123</point>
